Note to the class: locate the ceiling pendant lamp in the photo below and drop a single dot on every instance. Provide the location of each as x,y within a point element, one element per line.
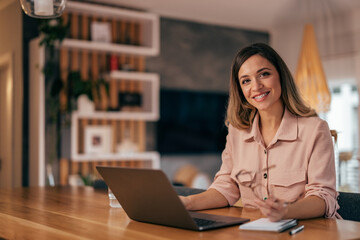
<point>310,77</point>
<point>43,8</point>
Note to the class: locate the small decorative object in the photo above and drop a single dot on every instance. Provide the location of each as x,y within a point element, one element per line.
<point>98,139</point>
<point>126,145</point>
<point>100,32</point>
<point>50,175</point>
<point>43,8</point>
<point>76,180</point>
<point>130,99</point>
<point>113,62</point>
<point>127,67</point>
<point>85,105</point>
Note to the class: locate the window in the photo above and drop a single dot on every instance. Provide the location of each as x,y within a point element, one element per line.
<point>343,117</point>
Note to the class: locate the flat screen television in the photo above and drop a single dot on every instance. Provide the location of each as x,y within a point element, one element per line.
<point>191,122</point>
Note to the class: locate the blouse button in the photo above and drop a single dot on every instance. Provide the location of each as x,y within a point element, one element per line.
<point>265,151</point>
<point>265,175</point>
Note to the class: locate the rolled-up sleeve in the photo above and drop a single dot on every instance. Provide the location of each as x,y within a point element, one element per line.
<point>321,169</point>
<point>223,182</point>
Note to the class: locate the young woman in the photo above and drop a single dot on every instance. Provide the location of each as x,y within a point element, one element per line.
<point>279,155</point>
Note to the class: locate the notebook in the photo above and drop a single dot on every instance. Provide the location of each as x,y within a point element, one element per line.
<point>146,195</point>
<point>264,224</point>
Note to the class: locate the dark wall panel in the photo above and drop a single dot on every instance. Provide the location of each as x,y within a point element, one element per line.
<point>197,56</point>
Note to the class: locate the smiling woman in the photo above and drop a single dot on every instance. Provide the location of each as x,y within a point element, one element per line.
<point>267,125</point>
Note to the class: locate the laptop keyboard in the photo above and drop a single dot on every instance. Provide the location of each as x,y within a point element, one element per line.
<point>203,222</point>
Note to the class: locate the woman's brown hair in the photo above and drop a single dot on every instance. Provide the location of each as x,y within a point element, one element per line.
<point>240,113</point>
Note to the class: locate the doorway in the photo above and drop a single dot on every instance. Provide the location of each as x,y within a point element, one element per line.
<point>6,122</point>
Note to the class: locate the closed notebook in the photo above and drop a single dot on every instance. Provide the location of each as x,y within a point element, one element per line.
<point>264,224</point>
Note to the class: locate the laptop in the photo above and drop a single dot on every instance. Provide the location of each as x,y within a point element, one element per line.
<point>146,195</point>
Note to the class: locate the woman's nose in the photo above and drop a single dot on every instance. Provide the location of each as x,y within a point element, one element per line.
<point>257,84</point>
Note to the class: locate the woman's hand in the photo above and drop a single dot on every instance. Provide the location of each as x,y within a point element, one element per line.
<point>186,201</point>
<point>273,209</point>
<point>211,198</point>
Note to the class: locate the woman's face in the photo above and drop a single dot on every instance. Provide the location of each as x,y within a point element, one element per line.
<point>260,83</point>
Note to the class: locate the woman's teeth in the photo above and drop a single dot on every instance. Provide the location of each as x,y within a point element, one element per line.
<point>261,96</point>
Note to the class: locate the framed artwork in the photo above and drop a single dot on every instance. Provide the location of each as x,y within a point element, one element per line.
<point>98,139</point>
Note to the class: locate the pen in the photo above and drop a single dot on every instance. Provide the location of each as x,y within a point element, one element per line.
<point>296,230</point>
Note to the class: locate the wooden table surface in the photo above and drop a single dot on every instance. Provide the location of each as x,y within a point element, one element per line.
<point>84,213</point>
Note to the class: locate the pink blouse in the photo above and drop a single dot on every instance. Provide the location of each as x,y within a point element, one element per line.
<point>303,155</point>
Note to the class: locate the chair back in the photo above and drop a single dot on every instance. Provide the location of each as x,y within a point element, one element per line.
<point>349,206</point>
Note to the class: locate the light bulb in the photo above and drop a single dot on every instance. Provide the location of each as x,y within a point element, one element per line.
<point>43,8</point>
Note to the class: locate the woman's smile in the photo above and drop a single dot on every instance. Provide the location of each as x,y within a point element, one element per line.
<point>261,97</point>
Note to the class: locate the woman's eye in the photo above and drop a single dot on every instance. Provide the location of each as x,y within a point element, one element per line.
<point>264,74</point>
<point>245,81</point>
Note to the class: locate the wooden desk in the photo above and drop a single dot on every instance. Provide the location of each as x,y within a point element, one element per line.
<point>83,213</point>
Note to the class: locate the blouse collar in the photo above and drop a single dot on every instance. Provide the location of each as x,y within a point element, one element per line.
<point>288,129</point>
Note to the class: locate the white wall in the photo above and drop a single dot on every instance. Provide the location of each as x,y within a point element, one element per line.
<point>11,43</point>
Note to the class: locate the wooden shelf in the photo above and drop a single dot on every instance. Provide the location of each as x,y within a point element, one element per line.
<point>153,156</point>
<point>150,30</point>
<point>109,47</point>
<point>150,93</point>
<point>140,76</point>
<point>150,108</point>
<point>116,115</point>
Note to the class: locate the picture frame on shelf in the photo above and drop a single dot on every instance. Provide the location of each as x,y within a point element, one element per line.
<point>98,139</point>
<point>130,99</point>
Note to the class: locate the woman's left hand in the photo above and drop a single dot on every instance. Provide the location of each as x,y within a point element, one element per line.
<point>274,209</point>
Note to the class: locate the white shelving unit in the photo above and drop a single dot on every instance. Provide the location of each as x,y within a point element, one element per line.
<point>150,81</point>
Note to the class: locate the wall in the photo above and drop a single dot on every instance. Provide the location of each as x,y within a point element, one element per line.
<point>196,56</point>
<point>11,42</point>
<point>338,39</point>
